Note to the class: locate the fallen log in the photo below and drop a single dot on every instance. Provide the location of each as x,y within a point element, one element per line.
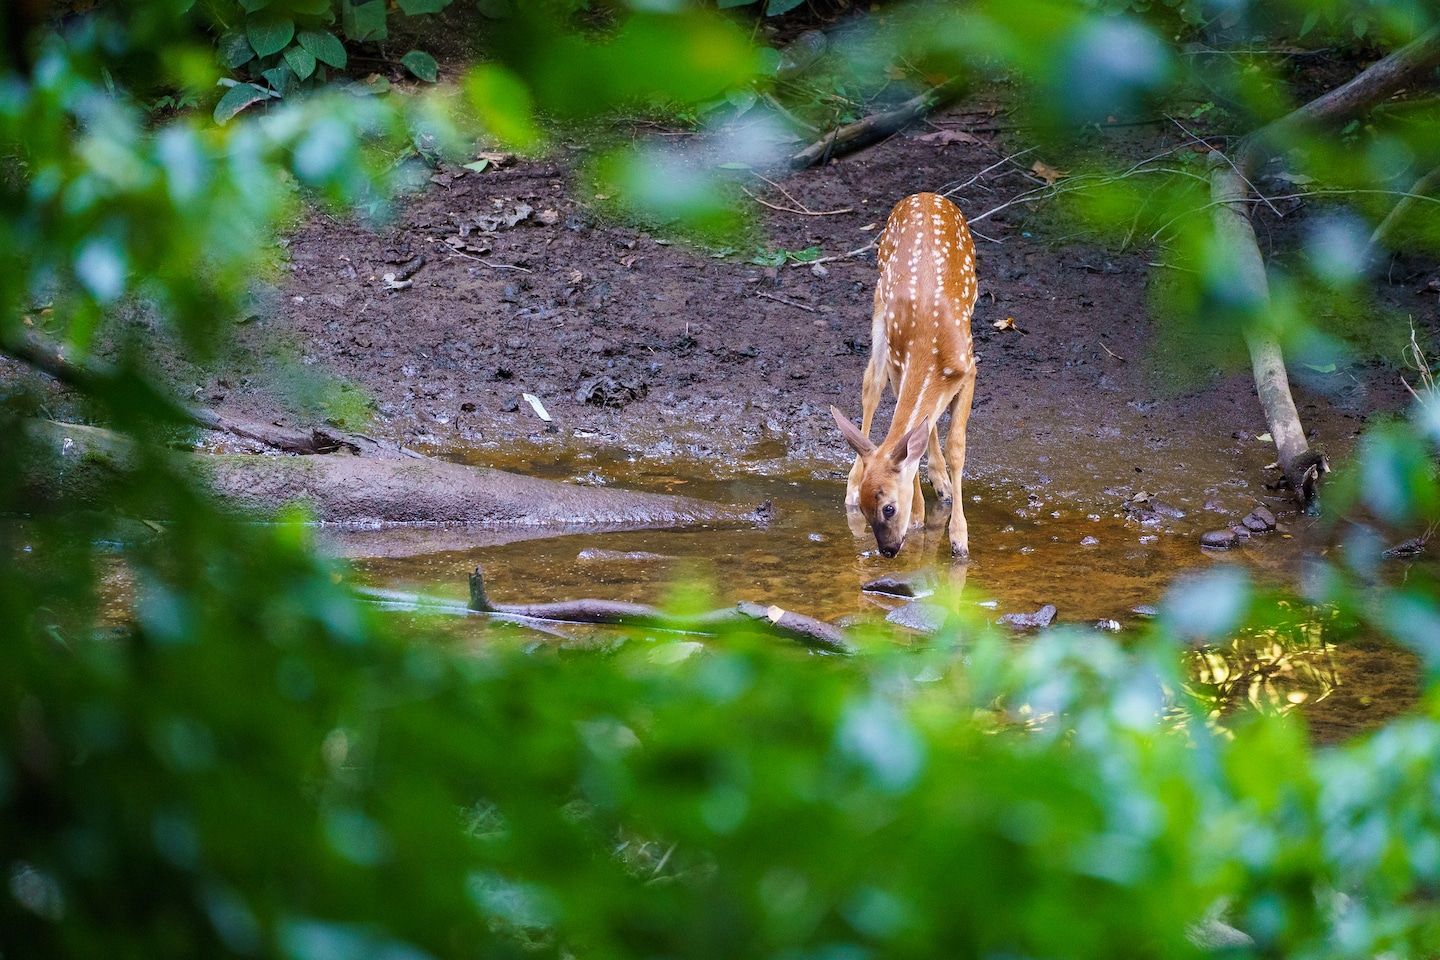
<point>50,359</point>
<point>339,488</point>
<point>1375,83</point>
<point>876,127</point>
<point>816,634</point>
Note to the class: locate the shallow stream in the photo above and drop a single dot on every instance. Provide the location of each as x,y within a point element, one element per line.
<point>1093,564</point>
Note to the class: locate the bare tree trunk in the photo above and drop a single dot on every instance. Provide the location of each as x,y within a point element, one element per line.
<point>1230,189</point>
<point>1231,194</point>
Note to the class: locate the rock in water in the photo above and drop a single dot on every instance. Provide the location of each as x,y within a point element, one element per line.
<point>1219,539</point>
<point>901,585</point>
<point>920,617</point>
<point>1256,523</point>
<point>1263,514</point>
<point>1038,620</point>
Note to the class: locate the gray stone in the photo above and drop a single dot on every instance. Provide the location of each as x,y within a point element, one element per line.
<point>1030,621</point>
<point>918,616</point>
<point>1219,539</point>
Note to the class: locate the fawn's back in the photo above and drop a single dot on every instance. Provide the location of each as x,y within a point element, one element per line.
<point>926,290</point>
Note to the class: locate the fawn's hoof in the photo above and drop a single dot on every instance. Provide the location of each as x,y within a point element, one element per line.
<point>959,554</point>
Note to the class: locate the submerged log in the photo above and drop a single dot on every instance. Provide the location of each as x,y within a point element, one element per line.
<point>341,488</point>
<point>813,633</point>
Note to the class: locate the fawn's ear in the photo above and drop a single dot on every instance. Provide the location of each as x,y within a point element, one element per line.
<point>912,448</point>
<point>858,441</point>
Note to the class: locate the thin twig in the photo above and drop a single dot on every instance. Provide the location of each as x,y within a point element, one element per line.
<point>789,303</point>
<point>493,266</point>
<point>795,210</point>
<point>1253,189</point>
<point>947,191</point>
<point>839,256</point>
<point>1109,351</point>
<point>1337,191</point>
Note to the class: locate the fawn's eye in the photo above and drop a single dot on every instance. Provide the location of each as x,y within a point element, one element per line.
<point>889,510</point>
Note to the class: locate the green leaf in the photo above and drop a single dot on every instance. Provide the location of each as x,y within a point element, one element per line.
<point>235,50</point>
<point>250,6</point>
<point>237,98</point>
<point>776,7</point>
<point>413,7</point>
<point>364,21</point>
<point>301,61</point>
<point>422,65</point>
<point>324,47</point>
<point>269,34</point>
<point>1320,367</point>
<point>479,166</point>
<point>727,4</point>
<point>1311,19</point>
<point>280,78</point>
<point>804,256</point>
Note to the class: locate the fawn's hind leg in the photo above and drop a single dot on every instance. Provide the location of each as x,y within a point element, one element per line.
<point>939,475</point>
<point>959,420</point>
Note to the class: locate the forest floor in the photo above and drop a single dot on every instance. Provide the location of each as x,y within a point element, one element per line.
<point>657,349</point>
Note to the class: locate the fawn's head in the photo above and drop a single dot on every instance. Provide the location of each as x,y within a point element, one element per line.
<point>888,482</point>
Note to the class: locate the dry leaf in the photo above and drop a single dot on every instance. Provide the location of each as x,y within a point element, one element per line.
<point>947,137</point>
<point>547,217</point>
<point>499,159</point>
<point>576,276</point>
<point>1046,172</point>
<point>1265,437</point>
<point>1006,324</point>
<point>870,226</point>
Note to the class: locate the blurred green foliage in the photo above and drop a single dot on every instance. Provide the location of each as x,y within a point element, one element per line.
<point>239,759</point>
<point>279,46</point>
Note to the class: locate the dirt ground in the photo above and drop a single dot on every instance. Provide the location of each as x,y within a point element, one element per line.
<point>665,351</point>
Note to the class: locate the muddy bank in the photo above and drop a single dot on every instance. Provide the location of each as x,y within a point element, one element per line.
<point>341,488</point>
<point>637,343</point>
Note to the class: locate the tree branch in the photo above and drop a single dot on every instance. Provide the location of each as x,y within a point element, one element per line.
<point>1413,196</point>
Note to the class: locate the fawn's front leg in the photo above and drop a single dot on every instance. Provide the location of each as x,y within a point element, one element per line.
<point>959,420</point>
<point>871,390</point>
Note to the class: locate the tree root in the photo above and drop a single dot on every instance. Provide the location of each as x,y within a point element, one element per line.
<point>810,632</point>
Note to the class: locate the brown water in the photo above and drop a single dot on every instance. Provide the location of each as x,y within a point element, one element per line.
<point>1093,564</point>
